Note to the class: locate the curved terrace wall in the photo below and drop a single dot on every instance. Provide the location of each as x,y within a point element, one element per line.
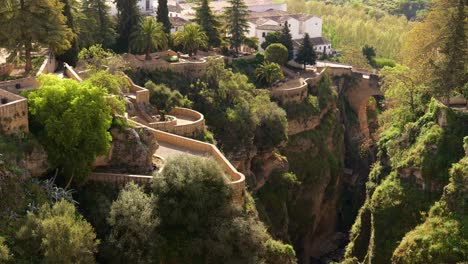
<point>237,179</point>
<point>291,95</point>
<point>188,129</point>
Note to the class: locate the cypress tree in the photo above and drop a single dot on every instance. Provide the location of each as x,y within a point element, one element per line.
<point>286,40</point>
<point>236,20</point>
<point>450,71</point>
<point>306,54</point>
<point>163,15</point>
<point>208,22</point>
<point>128,19</point>
<point>96,24</point>
<point>70,56</point>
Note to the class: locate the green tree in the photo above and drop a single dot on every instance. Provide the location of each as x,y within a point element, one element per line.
<point>132,223</point>
<point>149,36</point>
<point>451,70</point>
<point>199,223</point>
<point>191,38</point>
<point>270,38</point>
<point>252,42</point>
<point>96,58</point>
<point>71,120</point>
<point>162,15</point>
<point>128,19</point>
<point>306,54</point>
<point>96,25</point>
<point>58,234</point>
<point>369,53</point>
<point>286,40</point>
<point>25,22</point>
<point>236,22</point>
<point>70,56</point>
<point>269,73</point>
<point>164,98</point>
<point>276,53</point>
<point>208,22</point>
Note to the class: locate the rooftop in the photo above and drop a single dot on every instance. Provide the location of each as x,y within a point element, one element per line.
<point>276,15</point>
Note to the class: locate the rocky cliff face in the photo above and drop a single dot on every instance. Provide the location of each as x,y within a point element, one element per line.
<point>131,151</point>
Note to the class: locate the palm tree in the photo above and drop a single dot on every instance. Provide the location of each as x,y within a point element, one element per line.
<point>269,73</point>
<point>191,38</point>
<point>149,36</point>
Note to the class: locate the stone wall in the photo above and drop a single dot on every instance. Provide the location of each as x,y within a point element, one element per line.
<point>142,94</point>
<point>189,129</point>
<point>192,69</point>
<point>70,73</point>
<point>48,66</point>
<point>237,179</point>
<point>13,113</point>
<point>291,95</point>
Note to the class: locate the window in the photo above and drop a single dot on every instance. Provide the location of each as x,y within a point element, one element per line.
<point>147,5</point>
<point>263,34</point>
<point>289,25</point>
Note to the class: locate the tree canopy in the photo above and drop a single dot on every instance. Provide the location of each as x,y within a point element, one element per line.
<point>128,19</point>
<point>209,23</point>
<point>162,16</point>
<point>164,98</point>
<point>306,54</point>
<point>276,53</point>
<point>191,38</point>
<point>268,73</point>
<point>149,36</point>
<point>236,22</point>
<point>26,22</point>
<point>58,234</point>
<point>71,120</point>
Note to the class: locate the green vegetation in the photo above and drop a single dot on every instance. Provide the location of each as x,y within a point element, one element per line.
<point>162,14</point>
<point>209,23</point>
<point>149,36</point>
<point>349,27</point>
<point>306,54</point>
<point>25,23</point>
<point>189,217</point>
<point>95,24</point>
<point>58,235</point>
<point>164,98</point>
<point>235,110</point>
<point>276,53</point>
<point>284,37</point>
<point>236,22</point>
<point>191,39</point>
<point>70,120</point>
<point>127,22</point>
<point>269,73</point>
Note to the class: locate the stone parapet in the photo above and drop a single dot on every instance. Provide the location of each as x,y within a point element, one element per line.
<point>13,113</point>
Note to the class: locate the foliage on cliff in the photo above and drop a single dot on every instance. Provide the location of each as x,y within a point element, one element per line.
<point>71,120</point>
<point>189,217</point>
<point>414,166</point>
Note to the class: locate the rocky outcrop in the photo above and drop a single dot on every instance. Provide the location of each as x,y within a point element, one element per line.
<point>132,150</point>
<point>35,161</point>
<point>264,165</point>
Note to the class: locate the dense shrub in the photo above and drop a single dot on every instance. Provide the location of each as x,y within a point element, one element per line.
<point>276,53</point>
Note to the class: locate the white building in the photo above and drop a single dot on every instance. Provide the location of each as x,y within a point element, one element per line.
<point>262,23</point>
<point>147,7</point>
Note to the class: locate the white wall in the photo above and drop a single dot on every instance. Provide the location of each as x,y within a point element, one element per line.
<point>313,26</point>
<point>294,28</point>
<point>321,48</point>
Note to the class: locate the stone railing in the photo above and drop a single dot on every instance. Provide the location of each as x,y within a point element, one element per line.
<point>48,66</point>
<point>188,129</point>
<point>13,113</point>
<point>290,95</point>
<point>142,94</point>
<point>237,179</point>
<point>189,68</point>
<point>70,72</point>
<point>120,179</point>
<point>237,183</point>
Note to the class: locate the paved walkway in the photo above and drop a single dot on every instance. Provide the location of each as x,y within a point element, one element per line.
<point>184,120</point>
<point>166,150</point>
